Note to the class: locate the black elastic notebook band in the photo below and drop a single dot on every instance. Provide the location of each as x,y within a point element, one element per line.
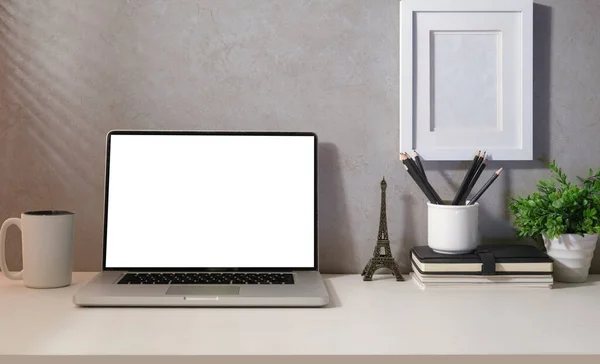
<point>488,263</point>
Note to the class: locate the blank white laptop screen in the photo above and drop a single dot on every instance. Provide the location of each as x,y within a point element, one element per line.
<point>211,201</point>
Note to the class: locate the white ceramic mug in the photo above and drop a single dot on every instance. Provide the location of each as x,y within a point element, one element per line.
<point>453,229</point>
<point>47,243</point>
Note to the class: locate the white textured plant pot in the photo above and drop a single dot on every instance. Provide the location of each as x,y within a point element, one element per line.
<point>572,255</point>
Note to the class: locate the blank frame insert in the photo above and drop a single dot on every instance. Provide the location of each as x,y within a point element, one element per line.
<point>466,61</point>
<point>466,78</point>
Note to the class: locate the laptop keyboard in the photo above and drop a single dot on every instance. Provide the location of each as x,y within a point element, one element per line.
<point>207,278</point>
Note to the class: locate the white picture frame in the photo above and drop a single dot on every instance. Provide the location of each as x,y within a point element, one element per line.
<point>466,78</point>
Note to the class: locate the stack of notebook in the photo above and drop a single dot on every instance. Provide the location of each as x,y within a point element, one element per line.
<point>488,265</point>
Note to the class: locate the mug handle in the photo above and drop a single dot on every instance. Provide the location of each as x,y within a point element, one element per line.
<point>12,221</point>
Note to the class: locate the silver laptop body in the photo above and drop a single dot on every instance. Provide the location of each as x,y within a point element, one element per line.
<point>209,218</point>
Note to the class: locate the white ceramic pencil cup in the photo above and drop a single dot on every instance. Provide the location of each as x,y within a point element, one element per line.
<point>452,229</point>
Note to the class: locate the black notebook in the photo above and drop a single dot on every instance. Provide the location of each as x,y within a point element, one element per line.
<point>486,260</point>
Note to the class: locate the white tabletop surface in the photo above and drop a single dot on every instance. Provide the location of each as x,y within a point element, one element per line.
<point>378,317</point>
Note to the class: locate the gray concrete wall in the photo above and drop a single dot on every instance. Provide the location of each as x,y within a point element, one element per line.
<point>70,70</point>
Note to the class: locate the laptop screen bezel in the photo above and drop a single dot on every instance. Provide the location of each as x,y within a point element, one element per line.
<point>209,269</point>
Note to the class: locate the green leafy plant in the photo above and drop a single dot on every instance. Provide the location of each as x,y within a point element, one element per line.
<point>559,206</point>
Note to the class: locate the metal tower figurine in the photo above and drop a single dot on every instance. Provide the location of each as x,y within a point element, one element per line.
<point>382,255</point>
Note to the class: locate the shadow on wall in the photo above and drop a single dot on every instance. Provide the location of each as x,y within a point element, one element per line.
<point>336,253</point>
<point>47,136</point>
<point>542,28</point>
<point>409,235</point>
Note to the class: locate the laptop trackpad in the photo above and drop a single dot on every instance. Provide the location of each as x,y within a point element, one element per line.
<point>203,290</point>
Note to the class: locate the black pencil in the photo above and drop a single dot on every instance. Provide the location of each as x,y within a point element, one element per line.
<point>475,179</point>
<point>479,161</point>
<point>466,179</point>
<point>485,187</point>
<point>412,165</point>
<point>417,159</point>
<point>482,158</point>
<point>418,179</point>
<point>480,169</point>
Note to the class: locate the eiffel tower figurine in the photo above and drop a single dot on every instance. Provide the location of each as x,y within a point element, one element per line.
<point>382,255</point>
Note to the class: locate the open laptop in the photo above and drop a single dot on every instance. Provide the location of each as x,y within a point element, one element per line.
<point>206,218</point>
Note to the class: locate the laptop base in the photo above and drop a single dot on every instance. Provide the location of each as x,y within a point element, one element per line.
<point>308,290</point>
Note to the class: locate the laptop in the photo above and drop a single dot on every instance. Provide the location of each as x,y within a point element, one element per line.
<point>209,218</point>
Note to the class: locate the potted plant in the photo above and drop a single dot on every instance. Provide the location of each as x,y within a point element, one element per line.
<point>567,217</point>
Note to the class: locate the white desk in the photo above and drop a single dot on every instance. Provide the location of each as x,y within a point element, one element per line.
<point>378,317</point>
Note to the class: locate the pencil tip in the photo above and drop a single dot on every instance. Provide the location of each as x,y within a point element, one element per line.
<point>499,171</point>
